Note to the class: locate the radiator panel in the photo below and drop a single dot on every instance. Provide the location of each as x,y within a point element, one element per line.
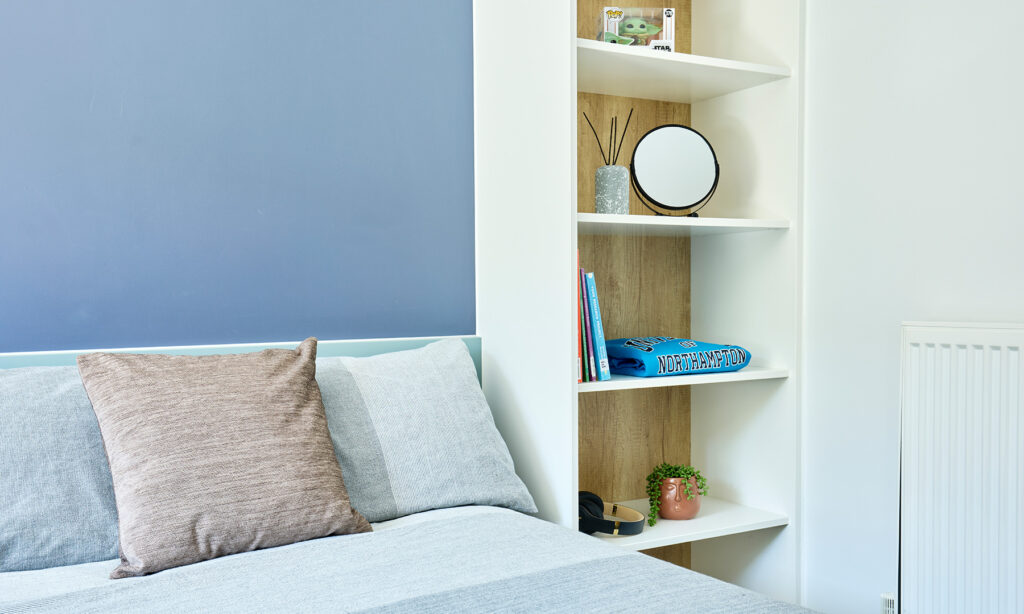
<point>961,534</point>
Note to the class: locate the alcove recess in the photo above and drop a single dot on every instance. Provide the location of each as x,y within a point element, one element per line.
<point>644,287</point>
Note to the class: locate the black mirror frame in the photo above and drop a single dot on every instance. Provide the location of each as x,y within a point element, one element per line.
<point>689,210</point>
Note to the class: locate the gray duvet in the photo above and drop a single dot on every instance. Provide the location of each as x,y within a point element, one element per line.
<point>473,559</point>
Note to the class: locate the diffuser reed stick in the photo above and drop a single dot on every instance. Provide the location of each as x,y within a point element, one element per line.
<point>597,138</point>
<point>611,139</point>
<point>613,151</point>
<point>622,138</point>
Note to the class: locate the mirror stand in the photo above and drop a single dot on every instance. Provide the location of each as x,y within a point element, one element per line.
<point>693,208</point>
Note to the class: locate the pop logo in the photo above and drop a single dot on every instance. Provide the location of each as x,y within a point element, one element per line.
<point>613,14</point>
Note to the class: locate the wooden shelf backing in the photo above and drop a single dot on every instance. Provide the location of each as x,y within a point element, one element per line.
<point>664,226</point>
<point>618,70</point>
<point>627,382</point>
<point>716,518</point>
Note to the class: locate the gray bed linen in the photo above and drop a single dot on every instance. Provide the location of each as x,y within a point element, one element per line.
<point>56,494</point>
<point>413,432</point>
<point>470,559</point>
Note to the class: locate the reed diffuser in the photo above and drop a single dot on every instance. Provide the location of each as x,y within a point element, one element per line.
<point>611,181</point>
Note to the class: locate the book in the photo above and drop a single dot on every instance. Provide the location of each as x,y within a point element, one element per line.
<point>583,332</point>
<point>600,350</point>
<point>579,320</point>
<point>588,338</point>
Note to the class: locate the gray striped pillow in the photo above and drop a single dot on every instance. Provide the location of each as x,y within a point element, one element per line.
<point>413,432</point>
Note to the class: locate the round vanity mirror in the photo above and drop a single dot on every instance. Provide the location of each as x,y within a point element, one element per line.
<point>674,170</point>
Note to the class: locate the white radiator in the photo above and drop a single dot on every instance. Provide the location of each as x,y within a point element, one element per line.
<point>962,472</point>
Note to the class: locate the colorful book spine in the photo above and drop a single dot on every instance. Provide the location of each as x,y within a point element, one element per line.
<point>579,320</point>
<point>589,338</point>
<point>600,351</point>
<point>583,333</point>
<point>583,342</point>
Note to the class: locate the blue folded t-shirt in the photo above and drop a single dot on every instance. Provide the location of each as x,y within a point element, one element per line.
<point>654,356</point>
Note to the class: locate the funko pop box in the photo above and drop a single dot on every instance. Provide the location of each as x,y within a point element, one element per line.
<point>639,27</point>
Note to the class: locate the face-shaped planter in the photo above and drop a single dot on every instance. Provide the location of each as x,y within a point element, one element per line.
<point>674,504</point>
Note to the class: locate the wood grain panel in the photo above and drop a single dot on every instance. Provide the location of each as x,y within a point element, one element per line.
<point>644,285</point>
<point>588,17</point>
<point>626,434</point>
<point>678,554</point>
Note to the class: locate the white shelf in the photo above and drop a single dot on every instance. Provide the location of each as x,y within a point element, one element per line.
<point>628,382</point>
<point>716,518</point>
<point>618,70</point>
<point>658,225</point>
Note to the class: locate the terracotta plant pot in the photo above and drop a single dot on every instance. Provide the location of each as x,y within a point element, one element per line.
<point>674,504</point>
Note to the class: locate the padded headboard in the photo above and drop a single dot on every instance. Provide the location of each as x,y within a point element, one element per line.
<point>344,347</point>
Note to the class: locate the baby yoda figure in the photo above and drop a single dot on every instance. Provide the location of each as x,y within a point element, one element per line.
<point>608,37</point>
<point>638,29</point>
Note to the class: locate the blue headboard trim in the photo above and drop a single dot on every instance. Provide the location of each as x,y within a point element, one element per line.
<point>342,347</point>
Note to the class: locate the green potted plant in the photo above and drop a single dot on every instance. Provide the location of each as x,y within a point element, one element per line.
<point>674,492</point>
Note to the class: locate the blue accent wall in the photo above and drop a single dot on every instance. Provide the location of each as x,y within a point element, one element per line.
<point>192,172</point>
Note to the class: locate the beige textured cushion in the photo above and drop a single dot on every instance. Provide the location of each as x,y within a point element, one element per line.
<point>213,455</point>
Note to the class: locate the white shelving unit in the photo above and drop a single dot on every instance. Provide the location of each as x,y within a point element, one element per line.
<point>744,267</point>
<point>626,382</point>
<point>617,70</point>
<point>652,225</point>
<point>717,518</point>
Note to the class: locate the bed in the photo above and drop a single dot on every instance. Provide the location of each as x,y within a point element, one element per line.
<point>466,559</point>
<point>471,558</point>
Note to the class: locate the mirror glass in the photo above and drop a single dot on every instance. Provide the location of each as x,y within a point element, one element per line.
<point>674,167</point>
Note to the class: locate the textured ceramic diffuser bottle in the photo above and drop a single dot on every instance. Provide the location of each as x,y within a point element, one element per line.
<point>611,189</point>
<point>611,181</point>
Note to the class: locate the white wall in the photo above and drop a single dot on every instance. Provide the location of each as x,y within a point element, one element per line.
<point>914,210</point>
